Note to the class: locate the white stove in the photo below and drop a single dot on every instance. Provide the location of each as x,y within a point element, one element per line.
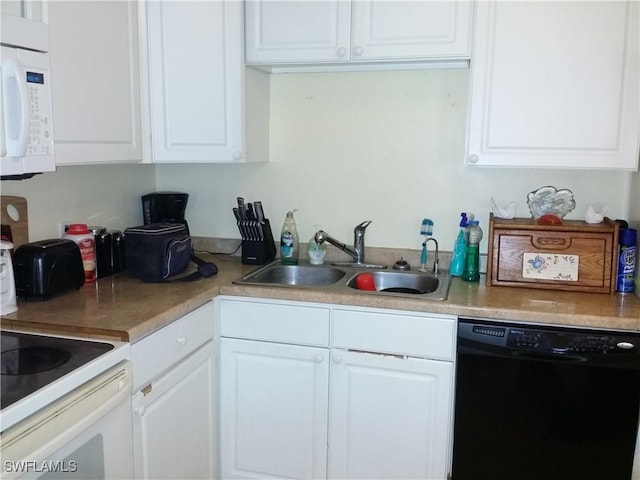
<point>38,369</point>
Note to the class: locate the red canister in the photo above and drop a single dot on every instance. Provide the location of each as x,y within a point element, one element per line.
<point>79,233</point>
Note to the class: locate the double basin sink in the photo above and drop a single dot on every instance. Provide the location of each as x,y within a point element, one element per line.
<point>350,279</point>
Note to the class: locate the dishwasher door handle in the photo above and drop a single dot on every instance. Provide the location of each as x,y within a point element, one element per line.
<point>549,357</point>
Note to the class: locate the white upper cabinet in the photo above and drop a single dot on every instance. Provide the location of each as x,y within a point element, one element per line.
<point>24,23</point>
<point>555,84</point>
<point>406,30</point>
<point>360,31</point>
<point>287,32</point>
<point>199,86</point>
<point>95,81</point>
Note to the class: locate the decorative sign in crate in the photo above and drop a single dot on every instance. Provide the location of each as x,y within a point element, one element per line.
<point>575,256</point>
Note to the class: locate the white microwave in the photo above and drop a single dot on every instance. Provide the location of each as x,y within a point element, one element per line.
<point>26,124</point>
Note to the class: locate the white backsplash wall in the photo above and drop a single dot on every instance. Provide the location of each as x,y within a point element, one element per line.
<point>381,146</point>
<point>107,195</point>
<point>345,147</point>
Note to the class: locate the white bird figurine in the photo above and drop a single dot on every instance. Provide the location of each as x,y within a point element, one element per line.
<point>595,213</point>
<point>508,211</point>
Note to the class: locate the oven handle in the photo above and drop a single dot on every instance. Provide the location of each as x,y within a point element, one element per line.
<point>42,434</point>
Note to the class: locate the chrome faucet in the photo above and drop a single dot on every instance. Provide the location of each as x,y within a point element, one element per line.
<point>436,262</point>
<point>357,251</point>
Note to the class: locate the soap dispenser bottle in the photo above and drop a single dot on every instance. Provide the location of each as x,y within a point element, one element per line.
<point>316,251</point>
<point>289,249</point>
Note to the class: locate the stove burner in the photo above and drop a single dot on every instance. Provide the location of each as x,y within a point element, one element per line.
<point>27,360</point>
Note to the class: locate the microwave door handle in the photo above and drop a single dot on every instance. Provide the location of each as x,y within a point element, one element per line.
<point>18,104</point>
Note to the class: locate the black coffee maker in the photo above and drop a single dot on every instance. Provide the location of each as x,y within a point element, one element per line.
<point>164,207</point>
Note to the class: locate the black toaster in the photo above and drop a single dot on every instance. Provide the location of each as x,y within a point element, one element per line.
<point>47,268</point>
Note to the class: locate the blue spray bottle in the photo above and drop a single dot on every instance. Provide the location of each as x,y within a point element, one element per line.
<point>459,249</point>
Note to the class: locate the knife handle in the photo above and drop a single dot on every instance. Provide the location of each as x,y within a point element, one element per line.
<point>257,207</point>
<point>242,207</point>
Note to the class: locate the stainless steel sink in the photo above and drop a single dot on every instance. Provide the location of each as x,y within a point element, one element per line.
<point>400,282</point>
<point>342,279</point>
<point>276,274</point>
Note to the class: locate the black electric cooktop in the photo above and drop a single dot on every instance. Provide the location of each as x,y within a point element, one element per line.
<point>29,362</point>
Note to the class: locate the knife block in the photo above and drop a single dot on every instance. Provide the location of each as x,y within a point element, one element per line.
<point>259,252</point>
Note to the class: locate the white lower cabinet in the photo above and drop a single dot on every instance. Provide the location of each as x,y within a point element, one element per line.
<point>174,404</point>
<point>390,417</point>
<point>298,405</point>
<point>274,410</point>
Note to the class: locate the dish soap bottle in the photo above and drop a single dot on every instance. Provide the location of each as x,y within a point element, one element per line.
<point>473,235</point>
<point>316,251</point>
<point>459,250</point>
<point>289,251</point>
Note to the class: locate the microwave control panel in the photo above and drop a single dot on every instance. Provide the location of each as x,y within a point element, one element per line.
<point>40,134</point>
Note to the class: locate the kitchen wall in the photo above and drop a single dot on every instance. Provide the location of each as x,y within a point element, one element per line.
<point>383,146</point>
<point>345,147</point>
<point>107,195</point>
<point>634,203</point>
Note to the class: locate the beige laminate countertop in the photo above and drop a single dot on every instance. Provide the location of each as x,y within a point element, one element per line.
<point>122,308</point>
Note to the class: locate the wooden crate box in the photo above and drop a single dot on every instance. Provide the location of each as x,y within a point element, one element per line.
<point>575,256</point>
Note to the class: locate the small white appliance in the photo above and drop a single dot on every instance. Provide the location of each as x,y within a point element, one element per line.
<point>8,302</point>
<point>26,127</point>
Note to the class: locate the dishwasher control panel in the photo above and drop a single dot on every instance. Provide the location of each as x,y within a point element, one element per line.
<point>547,340</point>
<point>559,342</point>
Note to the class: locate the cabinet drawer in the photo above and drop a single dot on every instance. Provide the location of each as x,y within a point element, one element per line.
<point>301,324</point>
<point>431,336</point>
<point>156,353</point>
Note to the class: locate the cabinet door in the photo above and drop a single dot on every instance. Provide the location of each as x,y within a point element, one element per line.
<point>196,81</point>
<point>388,30</point>
<point>555,84</point>
<point>289,32</point>
<point>174,426</point>
<point>95,81</point>
<point>391,417</point>
<point>273,402</point>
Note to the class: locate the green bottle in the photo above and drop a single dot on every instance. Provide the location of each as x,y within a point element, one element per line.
<point>473,235</point>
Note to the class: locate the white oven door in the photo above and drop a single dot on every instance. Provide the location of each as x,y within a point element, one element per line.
<point>87,434</point>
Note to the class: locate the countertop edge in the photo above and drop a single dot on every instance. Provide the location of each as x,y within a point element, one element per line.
<point>126,309</point>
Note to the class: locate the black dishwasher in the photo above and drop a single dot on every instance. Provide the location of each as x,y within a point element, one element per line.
<point>545,403</point>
